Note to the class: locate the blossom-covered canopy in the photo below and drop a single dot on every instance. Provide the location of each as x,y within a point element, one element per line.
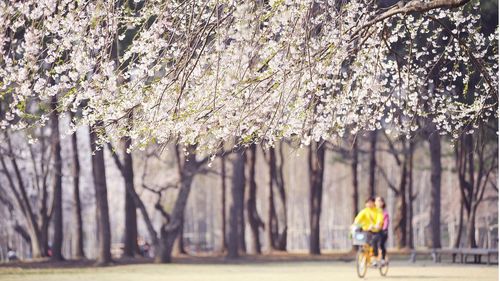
<point>205,72</point>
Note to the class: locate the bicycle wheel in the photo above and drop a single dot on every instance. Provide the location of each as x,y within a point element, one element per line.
<point>361,263</point>
<point>384,269</point>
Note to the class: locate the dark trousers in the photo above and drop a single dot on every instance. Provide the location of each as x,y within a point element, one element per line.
<point>383,239</point>
<point>375,241</point>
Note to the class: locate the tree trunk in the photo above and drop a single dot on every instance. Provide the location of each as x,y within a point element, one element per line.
<point>471,229</point>
<point>236,209</point>
<point>401,207</point>
<point>101,199</point>
<point>253,216</point>
<point>57,182</point>
<point>434,237</point>
<point>130,242</point>
<point>458,238</point>
<point>223,203</point>
<point>166,244</point>
<point>44,236</point>
<point>373,162</point>
<point>355,186</point>
<point>37,250</point>
<point>410,243</point>
<point>75,171</point>
<point>170,231</point>
<point>316,169</point>
<point>272,219</point>
<point>280,183</point>
<point>180,241</point>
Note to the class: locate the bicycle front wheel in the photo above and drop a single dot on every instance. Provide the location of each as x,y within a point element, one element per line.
<point>361,263</point>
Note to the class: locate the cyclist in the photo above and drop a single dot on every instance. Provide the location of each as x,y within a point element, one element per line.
<point>370,219</point>
<point>380,203</point>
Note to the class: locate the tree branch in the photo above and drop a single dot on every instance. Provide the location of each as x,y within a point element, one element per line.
<point>390,184</point>
<point>116,158</point>
<point>411,7</point>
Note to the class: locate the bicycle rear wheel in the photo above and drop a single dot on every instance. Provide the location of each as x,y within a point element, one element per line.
<point>384,269</point>
<point>361,263</point>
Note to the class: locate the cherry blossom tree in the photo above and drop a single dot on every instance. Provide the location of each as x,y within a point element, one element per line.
<point>201,73</point>
<point>205,71</point>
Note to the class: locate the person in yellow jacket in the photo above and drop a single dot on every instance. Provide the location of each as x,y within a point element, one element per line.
<point>371,219</point>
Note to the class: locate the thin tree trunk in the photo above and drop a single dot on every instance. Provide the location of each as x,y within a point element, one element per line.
<point>75,171</point>
<point>401,207</point>
<point>130,242</point>
<point>434,237</point>
<point>44,212</point>
<point>223,203</point>
<point>101,197</point>
<point>241,215</point>
<point>316,170</point>
<point>280,183</point>
<point>460,225</point>
<point>355,184</point>
<point>410,196</point>
<point>57,182</point>
<point>373,162</point>
<point>253,216</point>
<point>469,206</point>
<point>236,209</point>
<point>272,220</point>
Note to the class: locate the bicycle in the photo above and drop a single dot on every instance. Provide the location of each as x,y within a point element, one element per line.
<point>365,254</point>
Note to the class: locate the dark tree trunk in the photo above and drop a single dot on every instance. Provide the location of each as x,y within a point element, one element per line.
<point>130,242</point>
<point>101,197</point>
<point>373,162</point>
<point>223,203</point>
<point>44,212</point>
<point>236,219</point>
<point>44,236</point>
<point>316,169</point>
<point>166,244</point>
<point>410,196</point>
<point>241,217</point>
<point>401,207</point>
<point>471,229</point>
<point>272,218</point>
<point>280,183</point>
<point>57,182</point>
<point>464,152</point>
<point>434,237</point>
<point>355,185</point>
<point>253,216</point>
<point>170,231</point>
<point>75,171</point>
<point>469,207</point>
<point>180,241</point>
<point>458,238</point>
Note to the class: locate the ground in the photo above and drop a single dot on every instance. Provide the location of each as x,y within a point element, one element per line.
<point>257,271</point>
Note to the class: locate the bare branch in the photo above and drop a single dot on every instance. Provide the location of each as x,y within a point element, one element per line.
<point>390,184</point>
<point>116,158</point>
